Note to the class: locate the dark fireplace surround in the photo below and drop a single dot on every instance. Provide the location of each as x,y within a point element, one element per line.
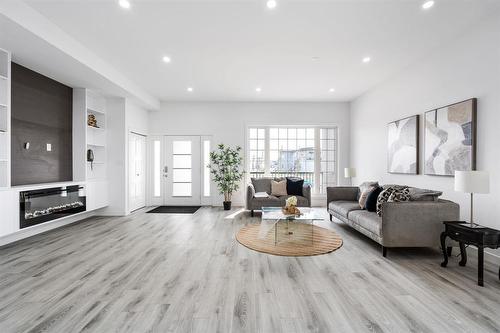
<point>38,206</point>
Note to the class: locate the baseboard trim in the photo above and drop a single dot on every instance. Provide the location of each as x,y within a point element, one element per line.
<point>41,228</point>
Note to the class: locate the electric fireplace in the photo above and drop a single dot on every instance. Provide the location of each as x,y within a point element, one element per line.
<point>48,204</point>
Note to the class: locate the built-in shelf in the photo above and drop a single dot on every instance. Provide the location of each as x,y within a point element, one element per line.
<point>96,145</point>
<point>95,128</point>
<point>4,119</point>
<point>90,111</point>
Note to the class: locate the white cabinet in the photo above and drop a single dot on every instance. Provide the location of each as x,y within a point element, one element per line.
<point>9,211</point>
<point>97,194</point>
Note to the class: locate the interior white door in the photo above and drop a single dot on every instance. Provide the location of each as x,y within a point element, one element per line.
<point>182,170</point>
<point>137,171</point>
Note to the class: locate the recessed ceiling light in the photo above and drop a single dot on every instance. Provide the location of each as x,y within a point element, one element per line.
<point>258,89</point>
<point>166,59</point>
<point>124,4</point>
<point>271,4</point>
<point>428,4</point>
<point>332,90</point>
<point>366,59</point>
<point>189,89</point>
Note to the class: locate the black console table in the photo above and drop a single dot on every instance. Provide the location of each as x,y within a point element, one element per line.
<point>464,234</point>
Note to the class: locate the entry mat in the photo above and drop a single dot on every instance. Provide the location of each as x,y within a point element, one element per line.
<point>175,209</point>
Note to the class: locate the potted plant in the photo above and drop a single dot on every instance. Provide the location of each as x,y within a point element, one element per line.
<point>225,165</point>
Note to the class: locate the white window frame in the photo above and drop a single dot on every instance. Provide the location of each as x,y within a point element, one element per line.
<point>317,148</point>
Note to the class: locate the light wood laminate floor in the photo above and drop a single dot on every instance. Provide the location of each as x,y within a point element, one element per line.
<point>187,273</point>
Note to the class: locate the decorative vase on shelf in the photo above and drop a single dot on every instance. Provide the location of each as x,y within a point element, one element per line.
<point>91,121</point>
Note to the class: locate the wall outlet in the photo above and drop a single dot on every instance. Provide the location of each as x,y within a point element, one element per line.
<point>49,147</point>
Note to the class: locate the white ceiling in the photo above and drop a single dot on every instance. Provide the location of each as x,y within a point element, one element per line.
<point>225,49</point>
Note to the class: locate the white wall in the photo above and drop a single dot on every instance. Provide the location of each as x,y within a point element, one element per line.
<point>227,122</point>
<point>464,68</point>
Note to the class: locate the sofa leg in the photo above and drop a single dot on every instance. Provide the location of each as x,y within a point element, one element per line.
<point>251,213</point>
<point>384,251</point>
<point>331,218</point>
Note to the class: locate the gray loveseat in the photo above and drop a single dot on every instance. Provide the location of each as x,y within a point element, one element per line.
<point>403,224</point>
<point>264,185</point>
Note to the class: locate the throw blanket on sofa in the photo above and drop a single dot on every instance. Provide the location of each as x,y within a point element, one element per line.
<point>392,194</point>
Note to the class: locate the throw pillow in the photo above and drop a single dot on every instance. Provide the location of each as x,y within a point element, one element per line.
<point>399,195</point>
<point>278,188</point>
<point>364,186</point>
<point>294,186</point>
<point>371,200</point>
<point>364,195</point>
<point>392,194</point>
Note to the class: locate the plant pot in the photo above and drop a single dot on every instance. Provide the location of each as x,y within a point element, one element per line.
<point>227,205</point>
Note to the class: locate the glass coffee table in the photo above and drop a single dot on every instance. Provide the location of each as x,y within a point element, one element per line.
<point>273,217</point>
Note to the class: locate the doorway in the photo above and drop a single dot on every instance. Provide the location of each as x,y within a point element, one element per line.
<point>137,171</point>
<point>179,173</point>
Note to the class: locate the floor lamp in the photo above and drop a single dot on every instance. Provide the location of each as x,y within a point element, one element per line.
<point>472,182</point>
<point>349,173</point>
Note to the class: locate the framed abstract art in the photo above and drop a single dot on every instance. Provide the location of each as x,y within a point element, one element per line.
<point>450,139</point>
<point>403,146</point>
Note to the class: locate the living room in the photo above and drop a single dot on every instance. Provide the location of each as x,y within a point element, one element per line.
<point>358,152</point>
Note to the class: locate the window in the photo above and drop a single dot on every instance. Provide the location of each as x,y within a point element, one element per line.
<point>306,152</point>
<point>328,144</point>
<point>156,168</point>
<point>181,169</point>
<point>256,144</point>
<point>206,169</point>
<point>291,152</point>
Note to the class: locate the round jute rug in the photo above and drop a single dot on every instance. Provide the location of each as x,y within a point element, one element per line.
<point>293,239</point>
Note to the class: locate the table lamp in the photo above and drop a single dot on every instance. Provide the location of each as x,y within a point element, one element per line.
<point>349,173</point>
<point>472,182</point>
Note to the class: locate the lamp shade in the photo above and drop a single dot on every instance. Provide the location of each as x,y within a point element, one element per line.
<point>472,181</point>
<point>349,172</point>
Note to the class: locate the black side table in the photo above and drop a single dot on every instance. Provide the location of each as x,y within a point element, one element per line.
<point>464,234</point>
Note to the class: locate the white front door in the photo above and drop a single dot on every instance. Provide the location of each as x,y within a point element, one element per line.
<point>182,170</point>
<point>137,171</point>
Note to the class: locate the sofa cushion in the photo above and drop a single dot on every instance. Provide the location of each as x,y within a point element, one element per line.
<point>294,186</point>
<point>343,207</point>
<point>262,184</point>
<point>270,201</point>
<point>368,220</point>
<point>301,201</point>
<point>420,194</point>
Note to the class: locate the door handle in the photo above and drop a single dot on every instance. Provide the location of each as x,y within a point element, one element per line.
<point>165,171</point>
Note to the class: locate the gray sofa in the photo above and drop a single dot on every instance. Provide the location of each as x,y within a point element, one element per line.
<point>403,224</point>
<point>264,185</point>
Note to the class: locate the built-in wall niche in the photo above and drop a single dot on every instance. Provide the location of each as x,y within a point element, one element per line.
<point>89,120</point>
<point>4,61</point>
<point>96,136</point>
<point>96,170</point>
<point>5,83</point>
<point>4,98</point>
